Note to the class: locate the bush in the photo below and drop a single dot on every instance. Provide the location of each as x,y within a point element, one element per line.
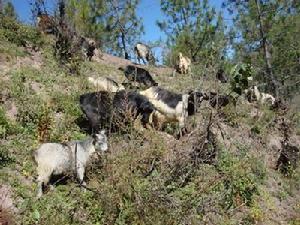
<point>242,175</point>
<point>18,33</point>
<point>67,50</point>
<point>239,78</point>
<point>5,157</point>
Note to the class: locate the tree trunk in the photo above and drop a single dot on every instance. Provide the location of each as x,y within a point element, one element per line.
<point>267,55</point>
<point>1,7</point>
<point>124,45</point>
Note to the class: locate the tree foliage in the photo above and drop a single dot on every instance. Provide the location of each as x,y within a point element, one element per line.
<point>87,16</point>
<point>9,10</point>
<point>113,23</point>
<point>193,27</point>
<point>266,36</point>
<point>123,25</point>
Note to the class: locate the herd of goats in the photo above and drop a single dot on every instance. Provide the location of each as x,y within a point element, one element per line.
<point>115,105</point>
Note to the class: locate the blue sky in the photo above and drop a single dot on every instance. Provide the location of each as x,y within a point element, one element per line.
<point>148,10</point>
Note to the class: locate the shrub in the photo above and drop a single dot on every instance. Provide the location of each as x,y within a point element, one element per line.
<point>5,157</point>
<point>239,78</point>
<point>18,33</point>
<point>241,178</point>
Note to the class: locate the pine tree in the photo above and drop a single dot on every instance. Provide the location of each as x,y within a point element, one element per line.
<point>193,27</point>
<point>123,26</point>
<point>8,10</point>
<point>87,16</point>
<point>263,26</point>
<point>113,23</point>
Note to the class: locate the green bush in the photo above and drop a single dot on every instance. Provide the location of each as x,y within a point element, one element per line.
<point>18,33</point>
<point>239,77</point>
<point>5,157</point>
<point>242,175</point>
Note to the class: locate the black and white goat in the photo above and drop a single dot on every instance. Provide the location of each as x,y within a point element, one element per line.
<point>171,106</point>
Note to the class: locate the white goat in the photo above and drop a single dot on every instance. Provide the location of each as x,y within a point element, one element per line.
<point>106,84</point>
<point>55,158</point>
<point>183,64</point>
<point>144,52</point>
<point>261,97</point>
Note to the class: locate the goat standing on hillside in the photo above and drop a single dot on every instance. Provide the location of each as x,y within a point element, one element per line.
<point>183,65</point>
<point>172,106</point>
<point>144,52</point>
<point>106,84</point>
<point>261,97</point>
<point>46,23</point>
<point>55,158</point>
<point>138,75</point>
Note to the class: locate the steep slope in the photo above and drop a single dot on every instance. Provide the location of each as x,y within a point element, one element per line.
<point>222,172</point>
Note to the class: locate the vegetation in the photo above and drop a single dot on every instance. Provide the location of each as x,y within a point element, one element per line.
<point>112,23</point>
<point>193,28</point>
<point>264,26</point>
<point>222,172</point>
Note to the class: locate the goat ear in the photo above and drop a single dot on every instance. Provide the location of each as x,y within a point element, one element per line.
<point>102,132</point>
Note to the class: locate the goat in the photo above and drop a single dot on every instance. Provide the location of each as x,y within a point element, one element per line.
<point>254,94</point>
<point>46,23</point>
<point>102,109</point>
<point>171,106</point>
<point>55,158</point>
<point>88,46</point>
<point>183,65</point>
<point>218,101</point>
<point>139,75</point>
<point>106,84</point>
<point>221,76</point>
<point>143,52</point>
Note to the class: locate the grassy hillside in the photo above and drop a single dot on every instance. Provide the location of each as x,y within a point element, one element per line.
<point>222,172</point>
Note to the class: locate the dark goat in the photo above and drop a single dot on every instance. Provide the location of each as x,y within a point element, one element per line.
<point>221,76</point>
<point>97,106</point>
<point>218,100</point>
<point>46,23</point>
<point>194,101</point>
<point>103,110</point>
<point>139,75</point>
<point>88,46</point>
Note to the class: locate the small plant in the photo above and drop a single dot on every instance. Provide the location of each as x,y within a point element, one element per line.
<point>5,157</point>
<point>239,78</point>
<point>4,124</point>
<point>44,124</point>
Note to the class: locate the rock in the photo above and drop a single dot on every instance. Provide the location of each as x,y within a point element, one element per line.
<point>12,112</point>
